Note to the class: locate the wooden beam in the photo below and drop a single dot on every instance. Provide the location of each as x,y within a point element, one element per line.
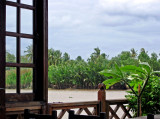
<point>10,3</point>
<point>22,104</point>
<point>41,50</point>
<point>24,97</point>
<point>117,101</point>
<point>87,111</point>
<point>113,113</point>
<point>125,110</point>
<point>45,57</point>
<point>20,65</point>
<point>2,57</point>
<point>74,104</point>
<point>22,35</point>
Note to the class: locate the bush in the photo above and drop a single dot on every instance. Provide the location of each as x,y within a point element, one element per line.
<point>26,78</point>
<point>150,100</point>
<point>11,78</point>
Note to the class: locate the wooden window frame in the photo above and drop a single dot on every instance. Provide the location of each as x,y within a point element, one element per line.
<point>40,52</point>
<point>18,36</point>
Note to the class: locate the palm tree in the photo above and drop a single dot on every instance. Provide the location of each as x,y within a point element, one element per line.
<point>57,57</point>
<point>50,56</point>
<point>29,54</point>
<point>133,53</point>
<point>143,56</point>
<point>66,57</point>
<point>97,52</point>
<point>54,57</point>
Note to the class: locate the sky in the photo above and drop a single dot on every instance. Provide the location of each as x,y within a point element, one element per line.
<point>79,26</point>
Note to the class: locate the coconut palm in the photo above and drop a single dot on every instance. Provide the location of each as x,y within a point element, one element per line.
<point>66,57</point>
<point>29,53</point>
<point>50,56</point>
<point>133,53</point>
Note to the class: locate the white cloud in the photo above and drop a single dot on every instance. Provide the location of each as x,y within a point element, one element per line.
<point>78,26</point>
<point>131,7</point>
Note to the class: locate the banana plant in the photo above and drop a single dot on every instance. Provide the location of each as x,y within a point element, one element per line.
<point>132,76</point>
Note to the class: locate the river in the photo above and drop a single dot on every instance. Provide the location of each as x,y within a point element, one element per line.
<point>77,95</point>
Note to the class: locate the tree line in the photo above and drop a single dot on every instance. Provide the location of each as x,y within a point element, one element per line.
<point>64,72</point>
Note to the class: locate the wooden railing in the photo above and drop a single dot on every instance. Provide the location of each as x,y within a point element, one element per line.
<point>113,106</point>
<point>117,109</point>
<point>79,106</point>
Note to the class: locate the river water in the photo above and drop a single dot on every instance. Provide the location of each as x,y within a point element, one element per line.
<point>76,95</point>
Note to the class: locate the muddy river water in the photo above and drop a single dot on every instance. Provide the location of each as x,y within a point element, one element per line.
<point>77,95</point>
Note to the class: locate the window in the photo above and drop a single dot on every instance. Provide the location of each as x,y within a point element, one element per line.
<point>19,46</point>
<point>26,50</point>
<point>28,2</point>
<point>10,50</point>
<point>11,77</point>
<point>11,18</point>
<point>26,21</point>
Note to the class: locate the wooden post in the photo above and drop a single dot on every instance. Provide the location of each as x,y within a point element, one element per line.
<point>41,50</point>
<point>102,98</point>
<point>2,57</point>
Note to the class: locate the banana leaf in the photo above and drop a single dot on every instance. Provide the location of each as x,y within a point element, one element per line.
<point>109,73</point>
<point>110,82</point>
<point>133,69</point>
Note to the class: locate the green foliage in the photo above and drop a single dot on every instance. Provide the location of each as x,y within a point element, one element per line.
<point>66,57</point>
<point>60,75</point>
<point>79,58</point>
<point>143,56</point>
<point>78,73</point>
<point>54,57</point>
<point>115,75</point>
<point>10,57</point>
<point>11,78</point>
<point>134,76</point>
<point>26,78</point>
<point>150,98</point>
<point>110,82</point>
<point>66,73</point>
<point>29,54</point>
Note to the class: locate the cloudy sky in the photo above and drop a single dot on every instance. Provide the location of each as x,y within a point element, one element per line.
<point>79,26</point>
